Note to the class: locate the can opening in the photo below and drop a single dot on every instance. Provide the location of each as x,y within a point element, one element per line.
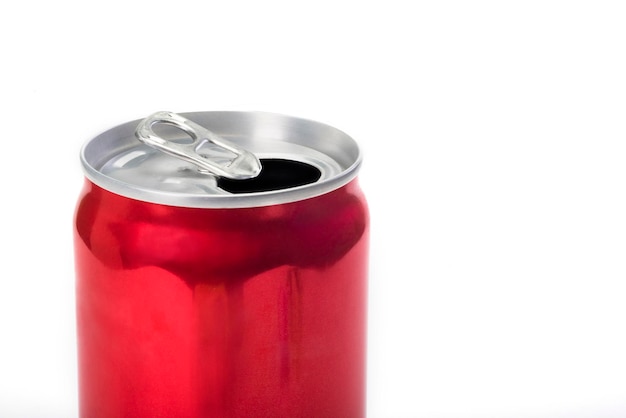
<point>276,174</point>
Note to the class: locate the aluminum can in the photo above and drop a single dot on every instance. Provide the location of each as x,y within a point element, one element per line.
<point>221,263</point>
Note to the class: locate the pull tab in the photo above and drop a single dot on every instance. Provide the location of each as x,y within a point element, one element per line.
<point>245,165</point>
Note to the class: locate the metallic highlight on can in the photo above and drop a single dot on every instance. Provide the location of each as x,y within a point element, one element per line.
<point>200,295</point>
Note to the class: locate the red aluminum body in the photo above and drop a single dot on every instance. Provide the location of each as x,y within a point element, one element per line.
<point>238,312</point>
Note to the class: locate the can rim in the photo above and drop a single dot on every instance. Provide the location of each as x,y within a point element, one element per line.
<point>255,126</point>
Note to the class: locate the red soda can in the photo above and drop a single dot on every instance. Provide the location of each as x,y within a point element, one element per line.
<point>221,262</point>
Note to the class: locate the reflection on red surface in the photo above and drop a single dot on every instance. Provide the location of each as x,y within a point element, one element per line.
<point>255,312</point>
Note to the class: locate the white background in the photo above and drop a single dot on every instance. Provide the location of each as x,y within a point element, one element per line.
<point>495,143</point>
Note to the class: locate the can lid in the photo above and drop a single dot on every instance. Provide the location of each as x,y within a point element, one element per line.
<point>243,159</point>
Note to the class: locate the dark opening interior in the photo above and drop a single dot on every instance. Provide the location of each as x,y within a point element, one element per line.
<point>276,174</point>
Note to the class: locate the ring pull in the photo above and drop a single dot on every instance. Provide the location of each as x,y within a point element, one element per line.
<point>206,150</point>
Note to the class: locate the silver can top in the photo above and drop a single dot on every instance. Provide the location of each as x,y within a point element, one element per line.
<point>221,159</point>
